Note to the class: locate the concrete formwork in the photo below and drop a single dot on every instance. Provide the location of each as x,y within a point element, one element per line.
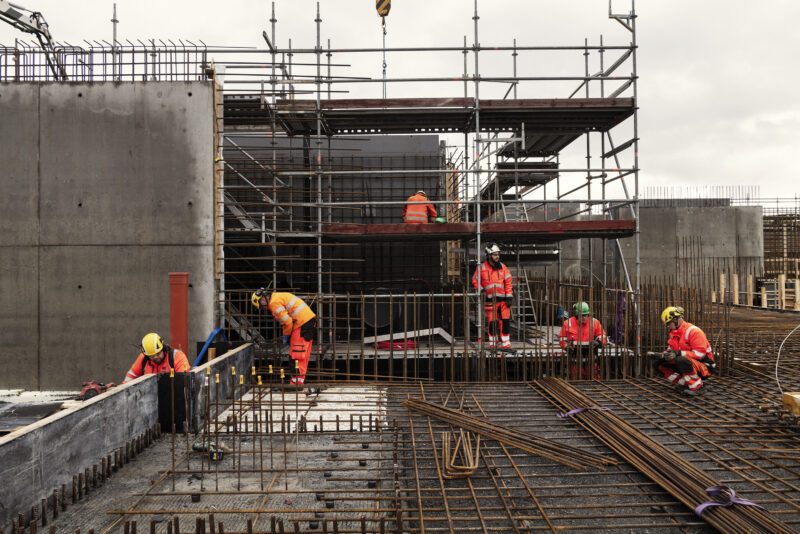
<point>39,458</point>
<point>107,188</point>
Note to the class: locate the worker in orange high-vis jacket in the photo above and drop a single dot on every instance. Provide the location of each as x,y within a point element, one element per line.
<point>689,358</point>
<point>582,336</point>
<point>497,287</point>
<point>157,357</point>
<point>298,324</point>
<point>418,209</point>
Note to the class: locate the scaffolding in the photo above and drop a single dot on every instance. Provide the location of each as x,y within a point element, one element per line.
<point>310,184</point>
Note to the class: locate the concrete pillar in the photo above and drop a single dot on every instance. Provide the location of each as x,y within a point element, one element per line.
<point>722,288</point>
<point>735,287</point>
<point>781,292</point>
<point>749,290</point>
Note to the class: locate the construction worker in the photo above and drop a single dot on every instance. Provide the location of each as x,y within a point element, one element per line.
<point>496,285</point>
<point>418,209</point>
<point>689,358</point>
<point>582,336</point>
<point>298,324</point>
<point>157,357</point>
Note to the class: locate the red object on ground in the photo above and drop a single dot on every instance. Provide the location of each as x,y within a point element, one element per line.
<point>179,311</point>
<point>93,388</point>
<point>397,345</point>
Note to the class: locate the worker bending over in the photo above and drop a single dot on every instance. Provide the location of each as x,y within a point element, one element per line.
<point>689,358</point>
<point>418,209</point>
<point>298,323</point>
<point>157,357</point>
<point>496,284</point>
<point>579,331</point>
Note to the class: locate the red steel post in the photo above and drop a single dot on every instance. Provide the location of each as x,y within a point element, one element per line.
<point>179,311</point>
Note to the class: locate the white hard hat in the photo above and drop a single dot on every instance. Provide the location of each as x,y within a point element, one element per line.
<point>491,248</point>
<point>421,192</point>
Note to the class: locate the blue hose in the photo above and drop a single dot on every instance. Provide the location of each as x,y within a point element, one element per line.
<point>210,339</point>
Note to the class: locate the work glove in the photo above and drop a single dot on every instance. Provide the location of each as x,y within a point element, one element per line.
<point>597,343</point>
<point>509,300</point>
<point>670,355</point>
<point>285,340</point>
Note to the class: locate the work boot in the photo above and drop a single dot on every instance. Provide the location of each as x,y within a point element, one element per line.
<point>691,392</point>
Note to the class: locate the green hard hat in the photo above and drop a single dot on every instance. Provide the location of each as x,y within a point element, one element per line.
<point>581,308</point>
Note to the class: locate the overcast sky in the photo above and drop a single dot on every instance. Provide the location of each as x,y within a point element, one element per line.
<point>718,90</point>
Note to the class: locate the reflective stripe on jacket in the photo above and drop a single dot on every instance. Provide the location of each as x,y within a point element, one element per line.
<point>150,368</point>
<point>417,210</point>
<point>571,332</point>
<point>691,341</point>
<point>290,311</point>
<point>496,281</point>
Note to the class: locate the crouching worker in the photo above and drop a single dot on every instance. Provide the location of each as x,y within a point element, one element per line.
<point>298,324</point>
<point>157,357</point>
<point>581,337</point>
<point>689,359</point>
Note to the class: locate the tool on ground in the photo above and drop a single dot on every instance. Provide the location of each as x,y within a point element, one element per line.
<point>93,388</point>
<point>215,453</point>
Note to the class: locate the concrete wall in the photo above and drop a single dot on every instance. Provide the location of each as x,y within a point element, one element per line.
<point>107,188</point>
<point>39,458</point>
<point>727,235</point>
<point>204,397</point>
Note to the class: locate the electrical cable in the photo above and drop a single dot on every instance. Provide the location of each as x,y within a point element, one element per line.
<point>778,359</point>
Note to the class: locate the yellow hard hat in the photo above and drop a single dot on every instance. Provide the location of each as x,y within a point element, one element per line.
<point>671,313</point>
<point>255,298</point>
<point>152,344</point>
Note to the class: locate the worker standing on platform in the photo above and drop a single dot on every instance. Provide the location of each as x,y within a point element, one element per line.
<point>298,323</point>
<point>689,358</point>
<point>582,336</point>
<point>497,287</point>
<point>418,209</point>
<point>157,357</point>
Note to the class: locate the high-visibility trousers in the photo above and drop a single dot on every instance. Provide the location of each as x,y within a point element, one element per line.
<point>300,343</point>
<point>497,312</point>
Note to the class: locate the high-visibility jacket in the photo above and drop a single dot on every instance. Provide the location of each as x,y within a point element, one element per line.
<point>691,341</point>
<point>417,210</point>
<point>290,311</point>
<point>145,366</point>
<point>495,280</point>
<point>586,331</point>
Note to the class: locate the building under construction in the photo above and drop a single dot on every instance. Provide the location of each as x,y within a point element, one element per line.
<point>154,185</point>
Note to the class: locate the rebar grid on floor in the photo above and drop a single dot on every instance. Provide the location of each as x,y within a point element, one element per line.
<point>351,458</point>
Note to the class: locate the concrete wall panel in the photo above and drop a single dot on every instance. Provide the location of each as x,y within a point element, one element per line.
<point>125,173</point>
<point>127,163</point>
<point>103,299</point>
<point>19,154</point>
<point>19,316</point>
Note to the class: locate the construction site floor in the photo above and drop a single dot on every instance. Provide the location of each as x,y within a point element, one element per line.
<point>361,462</point>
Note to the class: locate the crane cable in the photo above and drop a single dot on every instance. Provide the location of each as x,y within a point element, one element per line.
<point>383,7</point>
<point>383,26</point>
